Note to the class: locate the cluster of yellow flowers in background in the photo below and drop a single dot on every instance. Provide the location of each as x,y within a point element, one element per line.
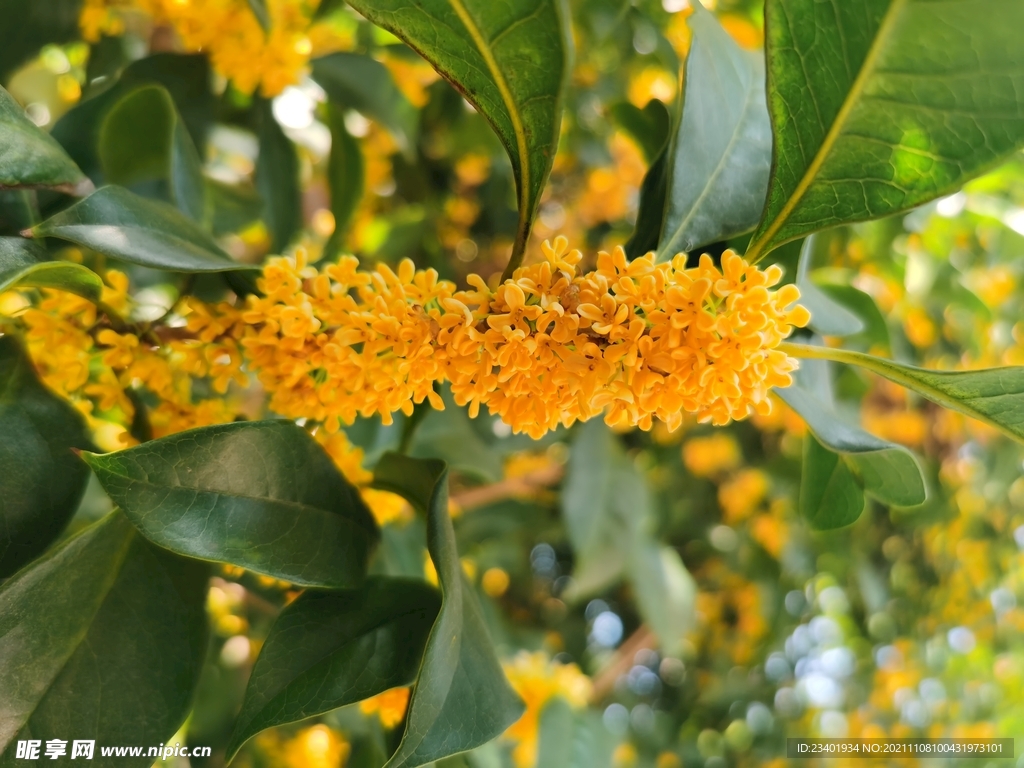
<point>228,31</point>
<point>633,340</point>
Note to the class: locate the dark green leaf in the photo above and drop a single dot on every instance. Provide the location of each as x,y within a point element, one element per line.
<point>125,226</point>
<point>262,495</point>
<point>28,26</point>
<point>345,173</point>
<point>41,480</point>
<point>828,317</point>
<point>830,496</point>
<point>277,179</point>
<point>994,396</point>
<point>510,60</point>
<point>650,217</point>
<point>360,82</point>
<point>259,10</point>
<point>103,639</point>
<point>650,127</point>
<point>881,105</point>
<point>185,76</point>
<point>19,209</point>
<point>142,138</point>
<point>876,331</point>
<point>23,264</point>
<point>30,157</point>
<point>462,698</point>
<point>233,207</point>
<point>328,650</point>
<point>601,497</point>
<point>720,158</point>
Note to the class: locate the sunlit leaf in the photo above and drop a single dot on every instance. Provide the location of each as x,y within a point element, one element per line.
<point>262,495</point>
<point>510,60</point>
<point>881,105</point>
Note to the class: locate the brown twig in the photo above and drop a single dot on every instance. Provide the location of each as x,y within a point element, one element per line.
<point>621,662</point>
<point>509,487</point>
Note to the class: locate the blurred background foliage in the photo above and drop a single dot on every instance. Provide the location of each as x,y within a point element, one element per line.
<point>907,623</point>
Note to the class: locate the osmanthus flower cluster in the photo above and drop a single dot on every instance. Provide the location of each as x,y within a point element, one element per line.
<point>229,32</point>
<point>633,340</point>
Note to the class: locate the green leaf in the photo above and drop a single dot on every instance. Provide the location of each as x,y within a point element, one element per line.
<point>994,396</point>
<point>881,105</point>
<point>650,217</point>
<point>150,233</point>
<point>24,264</point>
<point>328,650</point>
<point>259,10</point>
<point>19,209</point>
<point>510,60</point>
<point>346,175</point>
<point>277,179</point>
<point>876,331</point>
<point>358,81</point>
<point>828,317</point>
<point>649,127</point>
<point>462,698</point>
<point>449,435</point>
<point>143,138</point>
<point>665,592</point>
<point>554,734</point>
<point>601,496</point>
<point>30,157</point>
<point>185,76</point>
<point>830,496</point>
<point>720,159</point>
<point>41,480</point>
<point>103,639</point>
<point>233,207</point>
<point>262,495</point>
<point>885,470</point>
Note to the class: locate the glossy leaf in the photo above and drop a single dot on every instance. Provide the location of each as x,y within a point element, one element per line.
<point>650,217</point>
<point>462,698</point>
<point>994,396</point>
<point>23,264</point>
<point>510,60</point>
<point>358,81</point>
<point>346,174</point>
<point>103,639</point>
<point>649,127</point>
<point>124,226</point>
<point>277,179</point>
<point>603,500</point>
<point>186,78</point>
<point>30,157</point>
<point>328,650</point>
<point>262,495</point>
<point>143,138</point>
<point>41,480</point>
<point>828,317</point>
<point>882,105</point>
<point>720,158</point>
